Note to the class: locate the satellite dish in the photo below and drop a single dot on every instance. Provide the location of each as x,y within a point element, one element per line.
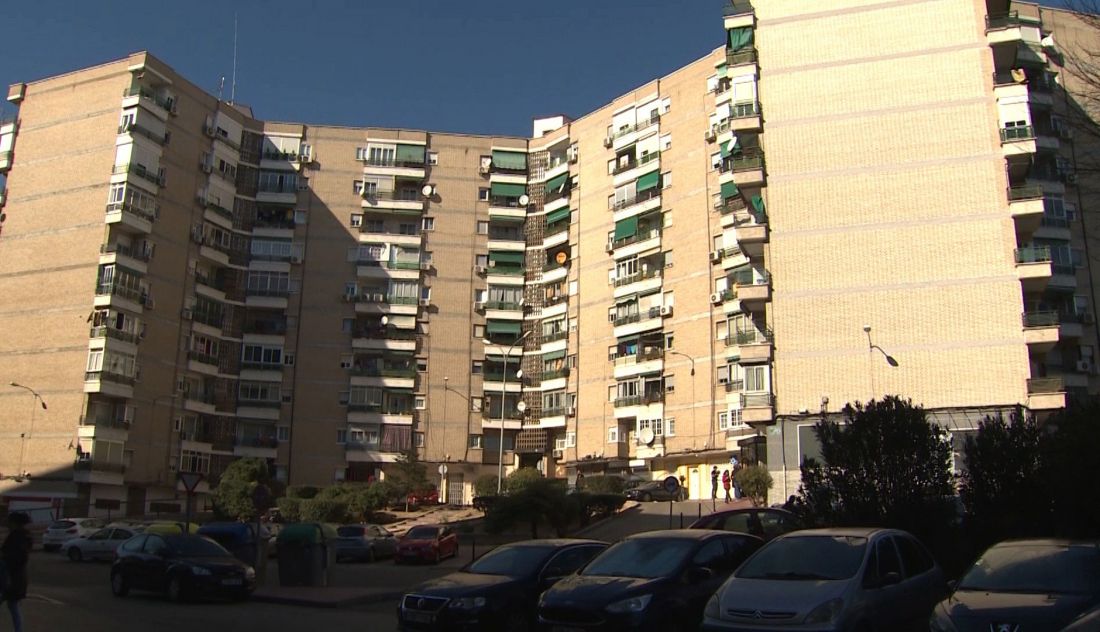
<point>524,200</point>
<point>521,406</point>
<point>561,258</point>
<point>519,374</point>
<point>647,436</point>
<point>427,190</point>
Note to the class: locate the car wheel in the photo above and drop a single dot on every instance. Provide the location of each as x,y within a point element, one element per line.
<point>175,590</point>
<point>119,586</point>
<point>647,497</point>
<point>75,554</point>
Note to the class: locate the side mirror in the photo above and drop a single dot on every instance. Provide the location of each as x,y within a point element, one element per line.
<point>698,574</point>
<point>889,579</point>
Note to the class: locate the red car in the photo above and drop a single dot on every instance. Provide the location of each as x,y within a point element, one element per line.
<point>423,497</point>
<point>427,543</point>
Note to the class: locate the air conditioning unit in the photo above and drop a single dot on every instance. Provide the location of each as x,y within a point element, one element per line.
<point>295,258</point>
<point>710,136</point>
<point>574,154</point>
<point>209,130</point>
<point>479,305</point>
<point>1084,366</point>
<point>559,454</point>
<point>480,269</point>
<point>424,302</point>
<point>207,167</point>
<point>607,142</point>
<point>186,313</point>
<point>666,310</point>
<point>425,265</point>
<point>483,169</point>
<point>716,298</point>
<point>1070,178</point>
<point>715,256</point>
<point>610,246</point>
<point>571,411</point>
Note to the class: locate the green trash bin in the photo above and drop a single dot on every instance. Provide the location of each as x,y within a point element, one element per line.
<point>306,551</point>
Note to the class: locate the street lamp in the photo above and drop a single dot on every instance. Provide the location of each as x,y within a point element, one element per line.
<point>693,429</point>
<point>520,406</point>
<point>23,436</point>
<point>871,348</point>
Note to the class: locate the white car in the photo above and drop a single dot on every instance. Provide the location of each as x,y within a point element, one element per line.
<point>100,545</point>
<point>61,531</point>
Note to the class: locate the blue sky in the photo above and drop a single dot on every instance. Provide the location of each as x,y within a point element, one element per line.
<point>477,66</point>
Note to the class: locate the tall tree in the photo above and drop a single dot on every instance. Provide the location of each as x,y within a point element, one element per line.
<point>233,497</point>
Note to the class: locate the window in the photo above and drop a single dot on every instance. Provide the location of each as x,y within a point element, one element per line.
<point>477,366</point>
<point>666,179</point>
<point>259,354</point>
<point>475,442</point>
<point>475,404</point>
<point>342,435</point>
<point>195,462</point>
<point>571,439</point>
<point>300,218</point>
<point>356,220</point>
<point>418,439</point>
<point>483,194</point>
<point>479,332</point>
<point>670,383</point>
<point>347,325</point>
<point>282,433</point>
<point>670,427</point>
<point>481,260</point>
<point>420,402</point>
<point>288,359</point>
<point>613,434</point>
<point>756,378</point>
<point>723,420</point>
<point>427,223</point>
<point>433,158</point>
<point>482,227</point>
<point>913,556</point>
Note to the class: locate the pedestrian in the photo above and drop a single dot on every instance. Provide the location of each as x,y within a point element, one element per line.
<point>683,490</point>
<point>737,493</point>
<point>15,552</point>
<point>727,483</point>
<point>714,482</point>
<point>580,481</point>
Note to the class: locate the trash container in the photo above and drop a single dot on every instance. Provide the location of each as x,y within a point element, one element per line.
<point>306,551</point>
<point>239,538</point>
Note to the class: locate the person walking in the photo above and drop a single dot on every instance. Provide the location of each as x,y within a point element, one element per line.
<point>727,483</point>
<point>714,482</point>
<point>15,552</point>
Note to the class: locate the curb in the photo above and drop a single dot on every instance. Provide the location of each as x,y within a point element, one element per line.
<point>357,600</point>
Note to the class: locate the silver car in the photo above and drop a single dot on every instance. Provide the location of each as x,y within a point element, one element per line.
<point>859,579</point>
<point>66,529</point>
<point>100,545</point>
<point>364,542</point>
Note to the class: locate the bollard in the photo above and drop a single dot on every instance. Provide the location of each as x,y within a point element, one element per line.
<point>700,509</point>
<point>473,548</point>
<point>681,520</point>
<point>670,514</point>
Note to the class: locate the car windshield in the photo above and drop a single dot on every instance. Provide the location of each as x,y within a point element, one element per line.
<point>63,524</point>
<point>1023,568</point>
<point>642,557</point>
<point>349,532</point>
<point>813,557</point>
<point>513,561</point>
<point>195,546</point>
<point>422,533</point>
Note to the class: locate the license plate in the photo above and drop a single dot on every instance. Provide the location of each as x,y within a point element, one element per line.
<point>232,582</point>
<point>419,617</point>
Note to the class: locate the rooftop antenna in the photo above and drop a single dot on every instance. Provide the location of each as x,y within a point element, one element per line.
<point>221,86</point>
<point>233,83</point>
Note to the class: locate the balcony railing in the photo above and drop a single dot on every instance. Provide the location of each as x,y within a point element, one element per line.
<point>289,156</point>
<point>557,227</point>
<point>361,445</point>
<point>258,442</point>
<point>260,403</point>
<point>262,366</point>
<point>730,205</point>
<point>744,109</point>
<point>1025,192</point>
<point>267,291</point>
<point>638,198</point>
<point>555,374</point>
<point>204,358</point>
<point>637,276</point>
<point>555,336</point>
<point>749,277</point>
<point>654,353</point>
<point>1033,254</point>
<point>507,306</point>
<point>375,333</point>
<point>756,400</point>
<point>1049,318</point>
<point>109,376</point>
<point>1019,132</point>
<point>149,215</point>
<point>1002,20</point>
<point>135,128</point>
<point>106,422</point>
<point>504,202</point>
<point>753,337</point>
<point>1046,385</point>
<point>639,400</point>
<point>209,319</point>
<point>393,162</point>
<point>121,291</point>
<point>104,331</point>
<point>165,104</point>
<point>364,407</point>
<point>744,56</point>
<point>644,233</point>
<point>632,164</point>
<point>373,371</point>
<point>141,254</point>
<point>750,158</point>
<point>139,171</point>
<point>651,121</point>
<point>91,465</point>
<point>401,195</point>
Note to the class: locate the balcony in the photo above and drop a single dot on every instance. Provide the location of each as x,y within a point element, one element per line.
<point>1010,28</point>
<point>374,303</point>
<point>1025,202</point>
<point>625,136</point>
<point>202,362</point>
<point>397,202</point>
<point>93,471</point>
<point>1017,140</point>
<point>139,172</point>
<point>388,340</point>
<point>131,218</point>
<point>129,256</point>
<point>1034,267</point>
<point>394,167</point>
<point>140,130</point>
<point>754,347</point>
<point>744,116</point>
<point>638,199</point>
<point>751,237</point>
<point>737,13</point>
<point>111,333</point>
<point>110,428</point>
<point>741,57</point>
<point>655,397</point>
<point>1045,329</point>
<point>1046,393</point>
<point>757,408</point>
<point>256,446</point>
<point>644,239</point>
<point>753,293</point>
<point>368,236</point>
<point>743,169</point>
<point>109,382</point>
<point>116,294</point>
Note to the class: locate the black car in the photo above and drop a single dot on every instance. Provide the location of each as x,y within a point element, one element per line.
<point>651,490</point>
<point>1026,585</point>
<point>498,591</point>
<point>764,523</point>
<point>659,580</point>
<point>180,566</point>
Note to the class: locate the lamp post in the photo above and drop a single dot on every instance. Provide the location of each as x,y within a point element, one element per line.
<point>871,348</point>
<point>24,436</point>
<point>521,406</point>
<point>692,361</point>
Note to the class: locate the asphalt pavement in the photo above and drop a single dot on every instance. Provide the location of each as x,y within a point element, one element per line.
<point>639,517</point>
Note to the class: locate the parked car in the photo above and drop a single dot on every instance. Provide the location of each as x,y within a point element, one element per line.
<point>764,523</point>
<point>831,579</point>
<point>429,543</point>
<point>239,538</point>
<point>364,542</point>
<point>100,545</point>
<point>168,527</point>
<point>423,497</point>
<point>181,567</point>
<point>651,491</point>
<point>60,531</point>
<point>658,580</point>
<point>498,591</point>
<point>1026,585</point>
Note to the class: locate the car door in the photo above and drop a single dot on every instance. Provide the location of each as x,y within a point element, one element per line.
<point>154,563</point>
<point>448,542</point>
<point>383,541</point>
<point>697,585</point>
<point>95,545</point>
<point>565,563</point>
<point>129,560</point>
<point>882,585</point>
<point>924,585</point>
<point>118,536</point>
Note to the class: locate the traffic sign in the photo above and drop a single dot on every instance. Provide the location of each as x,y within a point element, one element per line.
<point>672,484</point>
<point>190,480</point>
<point>442,469</point>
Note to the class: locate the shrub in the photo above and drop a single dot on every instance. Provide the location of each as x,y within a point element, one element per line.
<point>521,479</point>
<point>324,510</point>
<point>755,481</point>
<point>301,491</point>
<point>485,485</point>
<point>604,484</point>
<point>290,509</point>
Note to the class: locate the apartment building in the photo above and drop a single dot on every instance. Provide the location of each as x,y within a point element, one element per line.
<point>698,270</point>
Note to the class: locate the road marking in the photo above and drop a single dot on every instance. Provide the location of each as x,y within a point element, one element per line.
<point>46,599</point>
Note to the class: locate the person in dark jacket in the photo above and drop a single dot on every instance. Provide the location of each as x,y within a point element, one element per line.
<point>15,552</point>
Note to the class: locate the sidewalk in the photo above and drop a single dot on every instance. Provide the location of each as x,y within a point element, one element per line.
<point>325,597</point>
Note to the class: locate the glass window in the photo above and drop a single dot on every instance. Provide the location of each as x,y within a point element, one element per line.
<point>807,557</point>
<point>641,557</point>
<point>710,555</point>
<point>913,556</point>
<point>511,561</point>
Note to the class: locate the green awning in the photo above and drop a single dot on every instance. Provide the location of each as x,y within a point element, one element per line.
<point>725,149</point>
<point>740,37</point>
<point>509,160</point>
<point>758,203</point>
<point>503,326</point>
<point>501,256</point>
<point>729,189</point>
<point>720,68</point>
<point>557,183</point>
<point>504,189</point>
<point>649,181</point>
<point>553,355</point>
<point>558,215</point>
<point>626,228</point>
<point>410,153</point>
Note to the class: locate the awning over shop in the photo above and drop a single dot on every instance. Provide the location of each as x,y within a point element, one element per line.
<point>410,153</point>
<point>511,160</point>
<point>626,228</point>
<point>740,37</point>
<point>649,181</point>
<point>503,327</point>
<point>558,215</point>
<point>503,256</point>
<point>729,189</point>
<point>505,189</point>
